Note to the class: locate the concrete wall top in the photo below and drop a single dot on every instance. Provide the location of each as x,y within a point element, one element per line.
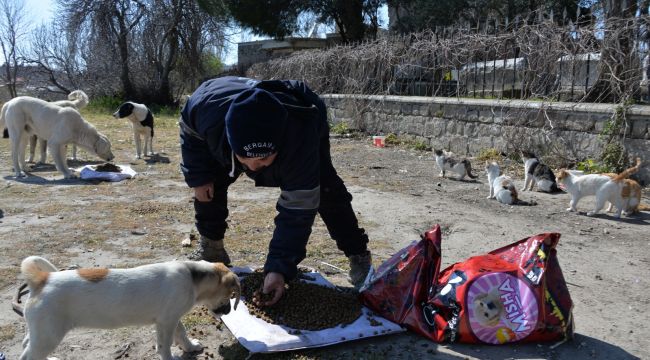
<point>642,110</point>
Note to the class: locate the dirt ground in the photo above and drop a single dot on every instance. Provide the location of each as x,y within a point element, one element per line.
<point>397,195</point>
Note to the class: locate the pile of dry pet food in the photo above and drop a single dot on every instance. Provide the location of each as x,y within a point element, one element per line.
<point>303,306</point>
<point>107,167</point>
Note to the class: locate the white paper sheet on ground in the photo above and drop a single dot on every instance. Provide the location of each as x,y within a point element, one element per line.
<point>88,173</point>
<point>258,336</point>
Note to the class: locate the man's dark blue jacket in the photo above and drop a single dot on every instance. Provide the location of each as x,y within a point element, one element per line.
<point>208,157</point>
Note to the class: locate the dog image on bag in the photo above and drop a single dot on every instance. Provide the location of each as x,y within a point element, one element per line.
<point>100,298</point>
<point>141,120</point>
<point>488,308</point>
<point>25,116</point>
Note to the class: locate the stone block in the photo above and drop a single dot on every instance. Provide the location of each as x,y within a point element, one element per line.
<point>639,128</point>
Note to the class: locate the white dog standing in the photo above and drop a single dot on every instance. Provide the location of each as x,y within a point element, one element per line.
<point>76,100</point>
<point>157,294</point>
<point>25,116</point>
<point>141,120</point>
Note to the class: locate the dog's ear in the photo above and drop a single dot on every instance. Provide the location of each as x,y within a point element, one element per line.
<point>231,280</point>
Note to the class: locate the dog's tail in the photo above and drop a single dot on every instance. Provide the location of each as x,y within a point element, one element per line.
<point>468,169</point>
<point>79,98</point>
<point>5,132</point>
<point>628,172</point>
<point>36,270</point>
<point>643,207</point>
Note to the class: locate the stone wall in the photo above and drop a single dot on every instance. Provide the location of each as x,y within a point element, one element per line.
<point>564,131</point>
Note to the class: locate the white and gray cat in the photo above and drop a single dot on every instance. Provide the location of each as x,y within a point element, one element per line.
<point>538,173</point>
<point>502,187</point>
<point>446,161</point>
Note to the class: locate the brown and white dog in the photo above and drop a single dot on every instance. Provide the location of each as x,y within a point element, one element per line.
<point>157,294</point>
<point>141,120</point>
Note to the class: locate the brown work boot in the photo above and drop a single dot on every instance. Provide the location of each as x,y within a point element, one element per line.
<point>210,250</point>
<point>359,268</point>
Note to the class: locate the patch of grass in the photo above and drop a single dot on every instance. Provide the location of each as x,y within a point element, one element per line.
<point>8,276</point>
<point>490,154</point>
<point>392,139</point>
<point>340,128</point>
<point>198,316</point>
<point>7,332</point>
<point>103,104</point>
<point>421,146</point>
<point>591,166</point>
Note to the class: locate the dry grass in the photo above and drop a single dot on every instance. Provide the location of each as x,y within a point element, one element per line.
<point>139,220</point>
<point>7,332</point>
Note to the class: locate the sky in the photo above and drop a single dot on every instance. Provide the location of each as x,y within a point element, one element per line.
<point>42,10</point>
<point>39,10</point>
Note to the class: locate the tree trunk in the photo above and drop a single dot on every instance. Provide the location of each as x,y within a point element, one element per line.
<point>616,81</point>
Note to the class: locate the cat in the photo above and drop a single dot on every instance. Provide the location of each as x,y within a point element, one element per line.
<point>631,194</point>
<point>605,188</point>
<point>446,161</point>
<point>538,173</point>
<point>502,187</point>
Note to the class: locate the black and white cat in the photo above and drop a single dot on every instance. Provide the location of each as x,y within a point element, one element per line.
<point>538,173</point>
<point>446,161</point>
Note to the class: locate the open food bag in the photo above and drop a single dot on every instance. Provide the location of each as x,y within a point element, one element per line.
<point>515,293</point>
<point>399,287</point>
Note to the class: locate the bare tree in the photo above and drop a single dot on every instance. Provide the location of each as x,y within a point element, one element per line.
<point>13,26</point>
<point>55,58</point>
<point>107,23</point>
<point>147,42</point>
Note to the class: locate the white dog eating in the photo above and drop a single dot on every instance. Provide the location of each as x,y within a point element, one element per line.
<point>141,120</point>
<point>157,294</point>
<point>76,100</point>
<point>25,116</point>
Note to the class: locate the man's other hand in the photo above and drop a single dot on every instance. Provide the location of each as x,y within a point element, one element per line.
<point>274,285</point>
<point>204,193</point>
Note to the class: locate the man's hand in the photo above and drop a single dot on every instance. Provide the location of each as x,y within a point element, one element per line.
<point>273,284</point>
<point>205,192</point>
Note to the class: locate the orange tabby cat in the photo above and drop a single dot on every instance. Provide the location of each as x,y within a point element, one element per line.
<point>631,194</point>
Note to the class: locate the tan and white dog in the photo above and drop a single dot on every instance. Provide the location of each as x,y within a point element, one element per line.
<point>25,116</point>
<point>76,100</point>
<point>141,120</point>
<point>157,294</point>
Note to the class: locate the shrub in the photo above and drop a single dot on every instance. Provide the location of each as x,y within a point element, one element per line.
<point>490,154</point>
<point>340,128</point>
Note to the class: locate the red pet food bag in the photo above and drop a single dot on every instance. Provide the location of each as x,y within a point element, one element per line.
<point>513,294</point>
<point>399,286</point>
